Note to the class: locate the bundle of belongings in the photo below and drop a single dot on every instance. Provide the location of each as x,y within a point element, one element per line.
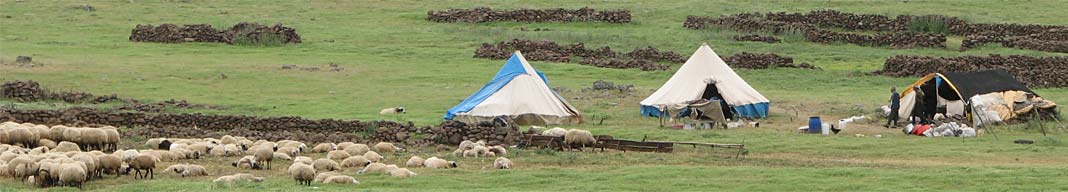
<point>950,129</point>
<point>1010,105</point>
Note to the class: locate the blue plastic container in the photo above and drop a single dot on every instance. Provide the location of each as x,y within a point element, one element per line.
<point>814,124</point>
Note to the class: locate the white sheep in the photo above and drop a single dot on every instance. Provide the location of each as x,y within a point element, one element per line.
<point>401,172</point>
<point>303,159</point>
<point>499,150</point>
<point>355,161</point>
<point>344,145</point>
<point>230,180</point>
<point>373,168</point>
<point>176,168</point>
<point>340,179</point>
<point>72,175</point>
<point>392,110</point>
<point>304,174</point>
<point>323,175</point>
<point>111,163</point>
<point>337,155</point>
<point>65,146</point>
<point>387,147</point>
<point>246,162</point>
<point>47,143</point>
<point>227,139</point>
<point>437,163</point>
<point>194,170</point>
<point>373,156</point>
<point>264,156</point>
<point>326,164</point>
<point>579,138</point>
<point>415,161</point>
<point>356,149</point>
<point>502,163</point>
<point>324,147</point>
<point>282,156</point>
<point>555,132</point>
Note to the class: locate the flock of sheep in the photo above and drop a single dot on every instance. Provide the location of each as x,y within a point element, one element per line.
<point>30,154</point>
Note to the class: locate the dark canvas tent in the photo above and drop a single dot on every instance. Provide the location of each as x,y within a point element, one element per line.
<point>994,95</point>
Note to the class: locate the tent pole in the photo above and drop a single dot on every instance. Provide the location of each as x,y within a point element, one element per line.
<point>1034,110</point>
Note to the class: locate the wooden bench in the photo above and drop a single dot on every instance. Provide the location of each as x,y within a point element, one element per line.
<point>740,148</point>
<point>543,141</point>
<point>627,145</point>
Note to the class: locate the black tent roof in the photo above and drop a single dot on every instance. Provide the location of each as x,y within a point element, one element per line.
<point>982,82</point>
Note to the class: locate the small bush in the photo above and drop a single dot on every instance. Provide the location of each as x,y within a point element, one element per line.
<point>929,24</point>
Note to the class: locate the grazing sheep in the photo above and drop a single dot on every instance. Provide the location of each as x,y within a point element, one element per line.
<point>292,151</point>
<point>401,172</point>
<point>373,168</point>
<point>72,175</point>
<point>227,139</point>
<point>356,149</point>
<point>303,159</point>
<point>579,138</point>
<point>202,147</point>
<point>355,161</point>
<point>23,136</point>
<point>415,161</point>
<point>246,162</point>
<point>57,132</point>
<point>194,170</point>
<point>129,154</point>
<point>373,156</point>
<point>93,139</point>
<point>152,143</point>
<point>264,156</point>
<point>387,147</point>
<point>324,147</point>
<point>470,153</point>
<point>38,150</point>
<point>323,175</point>
<point>282,156</point>
<point>326,164</point>
<point>65,146</point>
<point>499,150</point>
<point>490,154</point>
<point>90,163</point>
<point>340,179</point>
<point>143,162</point>
<point>337,155</point>
<point>467,145</point>
<point>112,141</point>
<point>304,174</point>
<point>555,132</point>
<point>502,163</point>
<point>436,163</point>
<point>110,163</point>
<point>392,110</point>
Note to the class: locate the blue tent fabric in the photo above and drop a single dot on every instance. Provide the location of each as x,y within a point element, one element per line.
<point>513,67</point>
<point>755,110</point>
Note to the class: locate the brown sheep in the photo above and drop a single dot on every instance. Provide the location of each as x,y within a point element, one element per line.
<point>145,163</point>
<point>110,163</point>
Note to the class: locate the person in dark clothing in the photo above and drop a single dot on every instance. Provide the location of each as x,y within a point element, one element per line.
<point>919,113</point>
<point>895,104</point>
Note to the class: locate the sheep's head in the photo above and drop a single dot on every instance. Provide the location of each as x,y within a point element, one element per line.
<point>401,110</point>
<point>234,163</point>
<point>165,144</point>
<point>256,165</point>
<point>453,164</point>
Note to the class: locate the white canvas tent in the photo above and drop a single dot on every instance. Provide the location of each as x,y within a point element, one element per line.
<point>517,91</point>
<point>703,69</point>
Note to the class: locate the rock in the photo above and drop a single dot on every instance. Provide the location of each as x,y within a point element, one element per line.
<point>483,14</point>
<point>23,59</point>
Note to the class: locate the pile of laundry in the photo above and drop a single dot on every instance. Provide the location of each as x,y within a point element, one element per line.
<point>949,129</point>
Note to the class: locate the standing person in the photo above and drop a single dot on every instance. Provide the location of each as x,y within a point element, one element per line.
<point>919,112</point>
<point>895,104</point>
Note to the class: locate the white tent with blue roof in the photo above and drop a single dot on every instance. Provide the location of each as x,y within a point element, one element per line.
<point>706,76</point>
<point>519,92</point>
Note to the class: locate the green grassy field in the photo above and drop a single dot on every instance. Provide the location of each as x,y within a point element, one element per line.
<point>393,57</point>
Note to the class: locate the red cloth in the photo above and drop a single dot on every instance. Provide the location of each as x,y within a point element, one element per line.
<point>919,129</point>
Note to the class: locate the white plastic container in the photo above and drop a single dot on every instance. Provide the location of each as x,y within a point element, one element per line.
<point>826,129</point>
